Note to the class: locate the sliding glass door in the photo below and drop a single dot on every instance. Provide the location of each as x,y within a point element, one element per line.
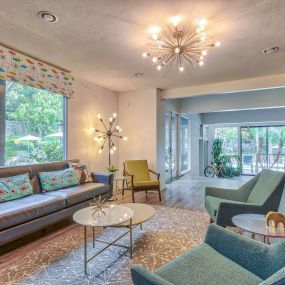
<point>184,145</point>
<point>171,144</point>
<point>262,147</point>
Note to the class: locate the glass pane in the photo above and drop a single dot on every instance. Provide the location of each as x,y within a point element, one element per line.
<point>254,149</point>
<point>173,145</point>
<point>230,145</point>
<point>276,148</point>
<point>34,121</point>
<point>184,144</point>
<point>167,146</point>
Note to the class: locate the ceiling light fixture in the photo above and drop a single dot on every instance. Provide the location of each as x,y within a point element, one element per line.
<point>47,17</point>
<point>182,46</point>
<point>270,50</point>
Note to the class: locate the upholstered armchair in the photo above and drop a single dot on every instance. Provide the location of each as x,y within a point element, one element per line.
<point>223,258</point>
<point>138,177</point>
<point>259,195</point>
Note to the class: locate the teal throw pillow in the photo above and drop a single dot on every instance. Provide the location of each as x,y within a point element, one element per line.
<point>55,180</point>
<point>15,187</point>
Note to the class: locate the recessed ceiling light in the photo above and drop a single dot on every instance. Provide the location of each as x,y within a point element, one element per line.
<point>270,50</point>
<point>139,74</point>
<point>47,16</point>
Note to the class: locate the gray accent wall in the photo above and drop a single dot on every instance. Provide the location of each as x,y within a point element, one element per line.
<point>247,116</point>
<point>259,99</point>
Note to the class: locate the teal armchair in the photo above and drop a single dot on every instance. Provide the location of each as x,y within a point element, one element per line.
<point>224,258</point>
<point>259,195</point>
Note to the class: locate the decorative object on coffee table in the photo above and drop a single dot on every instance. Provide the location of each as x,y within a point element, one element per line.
<point>274,219</point>
<point>97,207</point>
<point>107,135</point>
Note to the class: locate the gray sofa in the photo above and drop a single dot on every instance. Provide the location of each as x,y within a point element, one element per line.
<point>29,214</point>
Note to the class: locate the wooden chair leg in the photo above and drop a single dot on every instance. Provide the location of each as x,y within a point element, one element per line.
<point>159,194</point>
<point>123,188</point>
<point>133,195</point>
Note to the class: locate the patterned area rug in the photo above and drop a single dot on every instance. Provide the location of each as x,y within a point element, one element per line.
<point>60,260</point>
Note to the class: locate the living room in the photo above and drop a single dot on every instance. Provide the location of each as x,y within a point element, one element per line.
<point>142,142</point>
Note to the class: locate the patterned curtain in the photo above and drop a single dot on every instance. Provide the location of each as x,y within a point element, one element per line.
<point>23,69</point>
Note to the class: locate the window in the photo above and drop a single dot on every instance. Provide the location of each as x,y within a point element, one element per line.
<point>32,125</point>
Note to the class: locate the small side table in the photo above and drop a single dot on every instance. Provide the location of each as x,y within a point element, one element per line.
<point>255,224</point>
<point>119,189</point>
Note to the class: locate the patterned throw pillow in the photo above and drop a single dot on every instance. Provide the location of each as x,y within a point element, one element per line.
<point>15,187</point>
<point>55,180</point>
<point>81,171</point>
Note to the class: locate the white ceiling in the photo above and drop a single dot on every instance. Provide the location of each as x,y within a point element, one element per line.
<point>102,40</point>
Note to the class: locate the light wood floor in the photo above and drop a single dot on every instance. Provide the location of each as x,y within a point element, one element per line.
<point>185,192</point>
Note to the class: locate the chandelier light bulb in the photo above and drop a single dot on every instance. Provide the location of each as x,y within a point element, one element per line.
<point>154,29</point>
<point>120,130</point>
<point>114,148</point>
<point>217,44</point>
<point>125,138</point>
<point>154,36</point>
<point>203,22</point>
<point>204,52</point>
<point>99,116</point>
<point>111,119</point>
<point>100,151</point>
<point>175,20</point>
<point>177,50</point>
<point>91,131</point>
<point>201,63</point>
<point>111,151</point>
<point>158,67</point>
<point>201,57</point>
<point>117,127</point>
<point>181,68</point>
<point>144,55</point>
<point>154,59</point>
<point>114,115</point>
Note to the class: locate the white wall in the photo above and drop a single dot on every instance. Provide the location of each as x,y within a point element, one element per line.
<point>141,115</point>
<point>89,101</point>
<point>137,115</point>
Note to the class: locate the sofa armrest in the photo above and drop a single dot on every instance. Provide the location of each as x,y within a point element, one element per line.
<point>227,210</point>
<point>141,276</point>
<point>103,177</point>
<point>261,259</point>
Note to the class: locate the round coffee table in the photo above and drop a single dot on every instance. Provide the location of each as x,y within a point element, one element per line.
<point>114,215</point>
<point>255,224</point>
<point>142,213</point>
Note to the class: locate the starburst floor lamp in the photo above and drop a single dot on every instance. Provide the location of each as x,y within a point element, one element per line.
<point>106,136</point>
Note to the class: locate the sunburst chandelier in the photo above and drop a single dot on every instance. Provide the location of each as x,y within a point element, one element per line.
<point>179,46</point>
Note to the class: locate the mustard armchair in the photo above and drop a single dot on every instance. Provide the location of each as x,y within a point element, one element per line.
<point>138,177</point>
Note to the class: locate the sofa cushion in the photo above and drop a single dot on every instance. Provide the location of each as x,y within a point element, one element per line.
<point>80,193</point>
<point>15,187</point>
<point>204,265</point>
<point>264,187</point>
<point>55,180</point>
<point>28,208</point>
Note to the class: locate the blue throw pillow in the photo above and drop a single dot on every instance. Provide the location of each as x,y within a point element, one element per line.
<point>15,187</point>
<point>55,180</point>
